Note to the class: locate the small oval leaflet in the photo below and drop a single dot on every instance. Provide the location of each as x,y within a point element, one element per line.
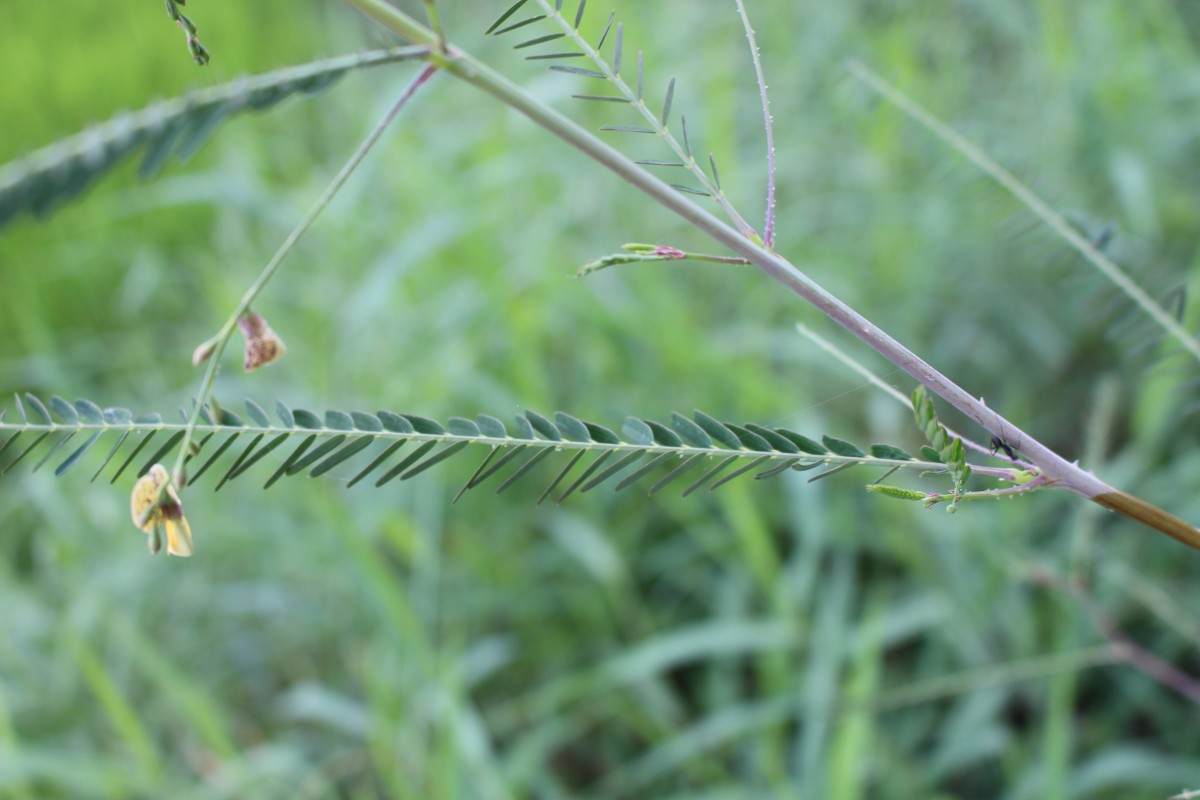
<point>64,410</point>
<point>338,420</point>
<point>424,424</point>
<point>890,452</point>
<point>637,432</point>
<point>394,423</point>
<point>524,429</point>
<point>461,426</point>
<point>366,422</point>
<point>803,443</point>
<point>257,415</point>
<point>692,433</point>
<point>285,415</point>
<point>39,409</point>
<point>713,427</point>
<point>307,419</point>
<point>229,419</point>
<point>571,428</point>
<point>491,427</point>
<point>89,411</point>
<point>750,440</point>
<point>664,435</point>
<point>601,434</point>
<point>777,442</point>
<point>543,426</point>
<point>842,448</point>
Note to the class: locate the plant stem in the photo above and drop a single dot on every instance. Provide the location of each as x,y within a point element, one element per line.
<point>1130,651</point>
<point>897,395</point>
<point>435,22</point>
<point>268,272</point>
<point>1054,467</point>
<point>768,126</point>
<point>659,124</point>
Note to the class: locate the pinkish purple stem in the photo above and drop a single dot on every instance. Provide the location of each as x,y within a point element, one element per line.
<point>768,126</point>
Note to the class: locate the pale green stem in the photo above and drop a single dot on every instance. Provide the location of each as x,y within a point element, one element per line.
<point>435,22</point>
<point>657,123</point>
<point>268,272</point>
<point>857,366</point>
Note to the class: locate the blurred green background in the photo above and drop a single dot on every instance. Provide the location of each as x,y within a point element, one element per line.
<point>771,640</point>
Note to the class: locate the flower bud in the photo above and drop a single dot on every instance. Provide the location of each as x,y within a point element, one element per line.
<point>203,352</point>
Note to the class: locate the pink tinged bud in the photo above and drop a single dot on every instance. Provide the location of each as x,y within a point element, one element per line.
<point>263,345</point>
<point>203,353</point>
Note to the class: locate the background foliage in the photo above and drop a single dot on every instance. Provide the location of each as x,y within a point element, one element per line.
<point>383,644</point>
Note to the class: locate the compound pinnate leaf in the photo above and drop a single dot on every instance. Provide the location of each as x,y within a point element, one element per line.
<point>42,181</point>
<point>321,442</point>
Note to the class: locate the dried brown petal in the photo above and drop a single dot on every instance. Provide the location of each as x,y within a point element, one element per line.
<point>263,345</point>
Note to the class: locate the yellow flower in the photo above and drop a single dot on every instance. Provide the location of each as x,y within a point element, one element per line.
<point>154,514</point>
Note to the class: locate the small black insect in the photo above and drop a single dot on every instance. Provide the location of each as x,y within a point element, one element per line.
<point>1000,444</point>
